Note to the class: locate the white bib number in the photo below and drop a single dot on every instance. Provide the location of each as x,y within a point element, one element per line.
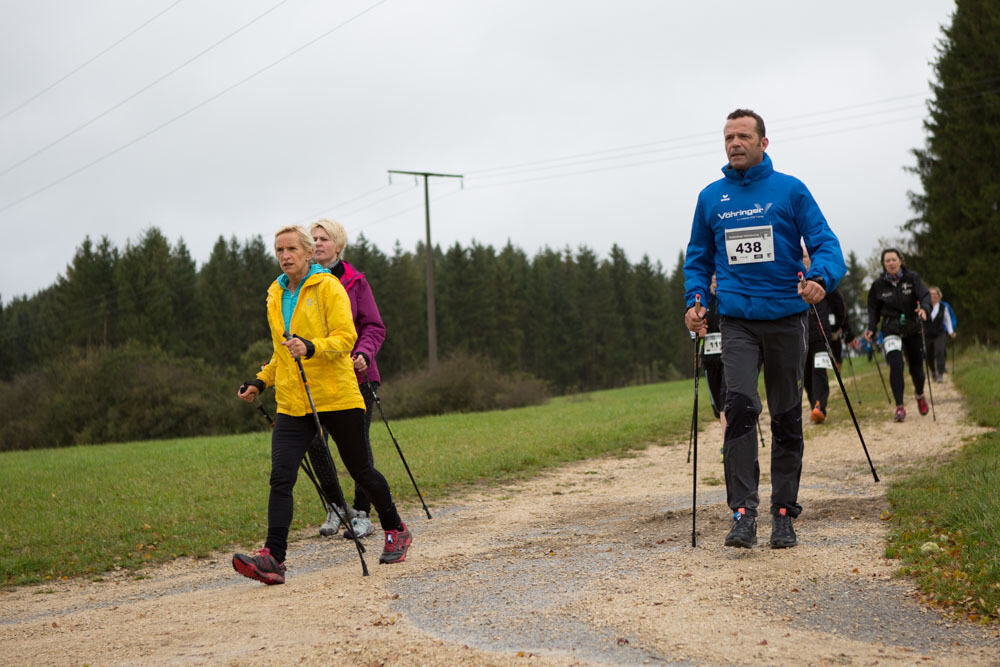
<point>822,360</point>
<point>713,343</point>
<point>892,344</point>
<point>748,245</point>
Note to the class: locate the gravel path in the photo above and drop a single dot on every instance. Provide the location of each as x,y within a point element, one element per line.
<point>588,564</point>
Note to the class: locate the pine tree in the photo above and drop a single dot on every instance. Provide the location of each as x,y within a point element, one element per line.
<point>957,226</point>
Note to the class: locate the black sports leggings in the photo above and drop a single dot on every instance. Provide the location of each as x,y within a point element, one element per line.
<point>290,439</point>
<point>913,348</point>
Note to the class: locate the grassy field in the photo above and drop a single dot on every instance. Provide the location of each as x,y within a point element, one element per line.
<point>946,522</point>
<point>86,510</point>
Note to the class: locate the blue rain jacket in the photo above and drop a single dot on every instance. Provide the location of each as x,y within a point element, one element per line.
<point>759,197</point>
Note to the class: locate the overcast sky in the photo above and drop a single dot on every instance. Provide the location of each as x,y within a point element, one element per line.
<point>574,122</point>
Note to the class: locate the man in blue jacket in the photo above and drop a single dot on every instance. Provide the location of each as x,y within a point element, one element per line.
<point>748,227</point>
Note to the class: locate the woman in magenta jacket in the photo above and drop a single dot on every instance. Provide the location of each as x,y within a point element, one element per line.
<point>331,239</point>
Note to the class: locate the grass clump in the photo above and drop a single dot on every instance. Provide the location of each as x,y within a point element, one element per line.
<point>946,522</point>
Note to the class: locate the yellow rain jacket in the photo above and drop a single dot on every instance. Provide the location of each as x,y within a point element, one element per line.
<point>322,316</point>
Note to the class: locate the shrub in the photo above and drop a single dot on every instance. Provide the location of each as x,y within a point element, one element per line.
<point>132,392</point>
<point>462,383</point>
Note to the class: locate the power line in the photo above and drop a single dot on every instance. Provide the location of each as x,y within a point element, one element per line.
<point>173,120</point>
<point>80,67</point>
<point>136,94</point>
<point>582,158</point>
<point>474,186</point>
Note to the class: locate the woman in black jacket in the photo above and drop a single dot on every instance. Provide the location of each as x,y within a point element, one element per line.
<point>898,297</point>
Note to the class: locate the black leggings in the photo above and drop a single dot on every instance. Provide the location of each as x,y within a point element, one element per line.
<point>326,471</point>
<point>361,501</point>
<point>291,437</point>
<point>816,381</point>
<point>913,348</point>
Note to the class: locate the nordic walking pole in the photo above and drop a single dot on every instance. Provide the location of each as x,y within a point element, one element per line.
<point>880,376</point>
<point>378,402</point>
<point>319,434</point>
<point>840,381</point>
<point>760,433</point>
<point>694,420</point>
<point>927,365</point>
<point>694,435</point>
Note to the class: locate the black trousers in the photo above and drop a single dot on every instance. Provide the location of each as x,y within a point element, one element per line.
<point>716,385</point>
<point>290,439</point>
<point>940,346</point>
<point>361,501</point>
<point>816,380</point>
<point>326,470</point>
<point>780,346</point>
<point>913,349</point>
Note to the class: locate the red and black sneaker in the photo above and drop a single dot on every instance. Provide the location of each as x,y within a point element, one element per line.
<point>396,544</point>
<point>818,416</point>
<point>261,566</point>
<point>900,413</point>
<point>922,405</point>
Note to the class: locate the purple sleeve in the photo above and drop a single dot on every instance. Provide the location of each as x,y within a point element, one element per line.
<point>368,322</point>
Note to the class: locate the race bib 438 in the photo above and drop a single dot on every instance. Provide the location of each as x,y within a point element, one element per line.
<point>747,245</point>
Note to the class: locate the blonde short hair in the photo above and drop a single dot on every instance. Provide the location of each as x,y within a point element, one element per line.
<point>304,236</point>
<point>335,231</point>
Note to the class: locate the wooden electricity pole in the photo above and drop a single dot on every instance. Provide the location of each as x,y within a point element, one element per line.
<point>432,353</point>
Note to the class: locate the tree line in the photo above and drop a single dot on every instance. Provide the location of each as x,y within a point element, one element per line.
<point>126,333</point>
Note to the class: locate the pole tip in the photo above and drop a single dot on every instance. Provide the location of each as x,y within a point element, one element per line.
<point>800,275</point>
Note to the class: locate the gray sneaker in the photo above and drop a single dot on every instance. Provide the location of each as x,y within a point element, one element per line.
<point>361,525</point>
<point>332,524</point>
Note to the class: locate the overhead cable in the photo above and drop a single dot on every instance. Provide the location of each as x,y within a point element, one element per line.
<point>140,91</point>
<point>190,110</point>
<point>80,67</point>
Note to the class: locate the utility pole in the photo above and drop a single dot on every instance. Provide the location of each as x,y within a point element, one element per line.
<point>432,353</point>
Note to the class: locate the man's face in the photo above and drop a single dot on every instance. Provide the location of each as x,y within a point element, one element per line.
<point>744,147</point>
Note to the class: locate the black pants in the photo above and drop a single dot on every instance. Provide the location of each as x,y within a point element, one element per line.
<point>913,349</point>
<point>940,346</point>
<point>716,385</point>
<point>780,345</point>
<point>361,501</point>
<point>326,470</point>
<point>291,438</point>
<point>816,381</point>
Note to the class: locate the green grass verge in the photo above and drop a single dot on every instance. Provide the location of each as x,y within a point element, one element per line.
<point>945,525</point>
<point>86,510</point>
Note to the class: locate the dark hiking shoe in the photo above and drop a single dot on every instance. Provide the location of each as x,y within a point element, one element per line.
<point>744,530</point>
<point>260,566</point>
<point>397,542</point>
<point>900,414</point>
<point>922,405</point>
<point>782,533</point>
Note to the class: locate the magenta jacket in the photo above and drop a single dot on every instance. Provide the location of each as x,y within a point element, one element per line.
<point>367,320</point>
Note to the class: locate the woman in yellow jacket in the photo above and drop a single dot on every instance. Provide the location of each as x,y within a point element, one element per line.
<point>309,303</point>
